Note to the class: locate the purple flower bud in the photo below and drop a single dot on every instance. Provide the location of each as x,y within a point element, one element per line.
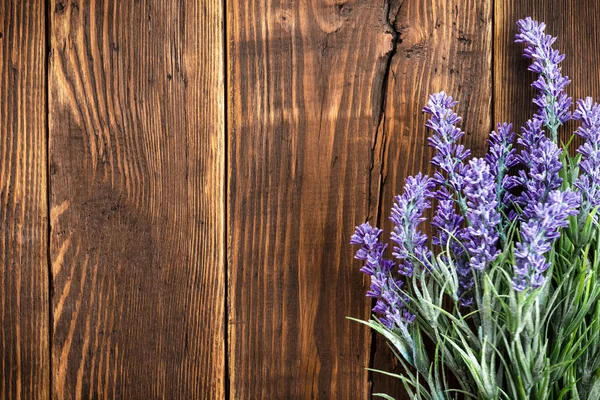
<point>391,302</point>
<point>449,158</point>
<point>538,234</point>
<point>481,236</point>
<point>501,156</point>
<point>553,102</point>
<point>449,155</point>
<point>448,223</point>
<point>540,159</point>
<point>407,214</point>
<point>588,183</point>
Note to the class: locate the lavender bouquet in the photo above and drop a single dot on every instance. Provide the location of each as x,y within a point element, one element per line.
<point>502,302</point>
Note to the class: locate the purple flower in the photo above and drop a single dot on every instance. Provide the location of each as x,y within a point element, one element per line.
<point>552,101</point>
<point>449,155</point>
<point>532,135</point>
<point>407,214</point>
<point>588,183</point>
<point>537,236</point>
<point>543,173</point>
<point>396,314</point>
<point>501,156</point>
<point>481,235</point>
<point>540,159</point>
<point>449,225</point>
<point>449,158</point>
<point>391,302</point>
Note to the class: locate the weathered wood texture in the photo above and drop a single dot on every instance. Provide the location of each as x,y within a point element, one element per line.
<point>325,108</point>
<point>444,45</point>
<point>305,93</point>
<point>24,284</point>
<point>155,164</point>
<point>137,199</point>
<point>576,23</point>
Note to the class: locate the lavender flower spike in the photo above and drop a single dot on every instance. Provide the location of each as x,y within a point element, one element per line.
<point>449,156</point>
<point>391,302</point>
<point>537,236</point>
<point>448,223</point>
<point>481,235</point>
<point>449,226</point>
<point>501,156</point>
<point>407,214</point>
<point>541,158</point>
<point>552,100</point>
<point>588,183</point>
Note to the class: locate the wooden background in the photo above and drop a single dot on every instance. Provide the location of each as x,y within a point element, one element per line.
<point>179,180</point>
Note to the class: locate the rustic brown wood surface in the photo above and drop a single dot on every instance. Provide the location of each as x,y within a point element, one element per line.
<point>24,285</point>
<point>186,234</point>
<point>137,199</point>
<point>305,96</point>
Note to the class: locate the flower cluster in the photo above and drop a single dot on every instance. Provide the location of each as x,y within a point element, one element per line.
<point>540,162</point>
<point>450,155</point>
<point>513,261</point>
<point>553,102</point>
<point>481,236</point>
<point>449,159</point>
<point>410,249</point>
<point>477,200</point>
<point>407,214</point>
<point>449,225</point>
<point>385,288</point>
<point>537,236</point>
<point>588,112</point>
<point>501,157</point>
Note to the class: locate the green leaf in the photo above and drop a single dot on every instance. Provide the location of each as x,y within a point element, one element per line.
<point>383,395</point>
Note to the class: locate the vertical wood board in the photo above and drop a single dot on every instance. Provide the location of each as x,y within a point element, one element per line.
<point>24,279</point>
<point>305,93</point>
<point>137,199</point>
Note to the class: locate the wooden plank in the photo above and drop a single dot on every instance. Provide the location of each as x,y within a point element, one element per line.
<point>306,83</point>
<point>24,280</point>
<point>137,199</point>
<point>444,45</point>
<point>576,27</point>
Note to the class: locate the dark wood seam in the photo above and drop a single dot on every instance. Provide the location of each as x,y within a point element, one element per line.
<point>48,38</point>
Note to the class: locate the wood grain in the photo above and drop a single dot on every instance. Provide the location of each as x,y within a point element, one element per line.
<point>324,102</point>
<point>137,199</point>
<point>24,302</point>
<point>575,24</point>
<point>444,45</point>
<point>306,83</point>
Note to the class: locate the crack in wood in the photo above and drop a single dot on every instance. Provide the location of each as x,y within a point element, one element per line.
<point>380,142</point>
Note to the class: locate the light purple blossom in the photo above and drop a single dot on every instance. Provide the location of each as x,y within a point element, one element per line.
<point>448,224</point>
<point>407,214</point>
<point>541,163</point>
<point>449,155</point>
<point>450,230</point>
<point>473,198</point>
<point>531,137</point>
<point>588,183</point>
<point>449,158</point>
<point>391,302</point>
<point>501,156</point>
<point>481,235</point>
<point>538,234</point>
<point>553,102</point>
